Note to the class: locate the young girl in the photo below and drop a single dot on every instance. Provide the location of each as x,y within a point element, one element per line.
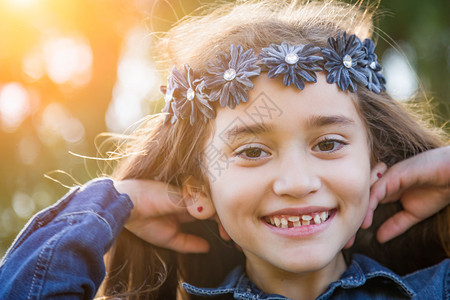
<point>276,127</point>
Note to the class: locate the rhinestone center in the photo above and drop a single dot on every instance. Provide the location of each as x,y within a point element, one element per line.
<point>190,94</point>
<point>229,74</point>
<point>291,58</point>
<point>347,61</point>
<point>373,65</point>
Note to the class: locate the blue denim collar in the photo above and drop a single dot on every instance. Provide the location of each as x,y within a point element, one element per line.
<point>360,270</point>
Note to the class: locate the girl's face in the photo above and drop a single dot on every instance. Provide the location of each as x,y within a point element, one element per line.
<point>290,158</point>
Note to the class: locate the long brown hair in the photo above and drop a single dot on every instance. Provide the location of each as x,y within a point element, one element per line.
<point>166,152</point>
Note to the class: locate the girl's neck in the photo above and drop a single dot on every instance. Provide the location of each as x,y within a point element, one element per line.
<point>303,286</point>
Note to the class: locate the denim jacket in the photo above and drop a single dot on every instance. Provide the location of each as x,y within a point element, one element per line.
<point>59,255</point>
<point>364,279</point>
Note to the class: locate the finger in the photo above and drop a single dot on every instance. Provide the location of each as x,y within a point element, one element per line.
<point>367,220</point>
<point>187,243</point>
<point>151,197</point>
<point>373,203</point>
<point>387,189</point>
<point>396,225</point>
<point>172,200</point>
<point>378,191</point>
<point>185,217</point>
<point>426,168</point>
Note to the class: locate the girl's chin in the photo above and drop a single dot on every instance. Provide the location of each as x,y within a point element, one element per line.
<point>303,264</point>
<point>314,265</point>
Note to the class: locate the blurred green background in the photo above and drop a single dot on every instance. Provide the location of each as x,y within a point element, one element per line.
<point>72,69</point>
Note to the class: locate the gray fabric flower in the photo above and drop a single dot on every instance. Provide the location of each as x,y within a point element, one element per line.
<point>345,62</point>
<point>228,77</point>
<point>185,97</point>
<point>376,80</point>
<point>168,97</point>
<point>297,63</point>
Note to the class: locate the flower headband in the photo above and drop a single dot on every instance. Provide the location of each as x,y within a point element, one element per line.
<point>347,60</point>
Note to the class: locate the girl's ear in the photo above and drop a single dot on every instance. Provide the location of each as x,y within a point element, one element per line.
<point>197,202</point>
<point>375,174</point>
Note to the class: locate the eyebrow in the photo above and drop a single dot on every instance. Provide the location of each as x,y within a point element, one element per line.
<point>315,121</point>
<point>241,130</point>
<point>322,121</point>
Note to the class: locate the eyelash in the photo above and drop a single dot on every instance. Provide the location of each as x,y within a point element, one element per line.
<point>239,153</point>
<point>340,143</point>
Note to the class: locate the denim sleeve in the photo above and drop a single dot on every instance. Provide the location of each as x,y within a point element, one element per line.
<point>59,253</point>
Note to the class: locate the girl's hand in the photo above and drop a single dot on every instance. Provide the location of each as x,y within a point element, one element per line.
<point>156,215</point>
<point>421,183</point>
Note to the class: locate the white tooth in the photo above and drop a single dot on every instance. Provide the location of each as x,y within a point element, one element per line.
<point>277,221</point>
<point>297,224</point>
<point>305,222</point>
<point>317,219</point>
<point>284,223</point>
<point>267,219</point>
<point>306,218</point>
<point>272,221</point>
<point>294,218</point>
<point>324,216</point>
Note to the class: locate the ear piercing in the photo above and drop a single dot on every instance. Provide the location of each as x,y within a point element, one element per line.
<point>200,209</point>
<point>379,175</point>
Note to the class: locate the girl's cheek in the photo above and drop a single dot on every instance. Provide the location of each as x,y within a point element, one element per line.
<point>348,177</point>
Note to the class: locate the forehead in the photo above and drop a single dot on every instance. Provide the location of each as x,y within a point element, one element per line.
<point>272,103</point>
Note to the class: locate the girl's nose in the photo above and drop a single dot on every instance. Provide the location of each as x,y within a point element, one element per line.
<point>296,176</point>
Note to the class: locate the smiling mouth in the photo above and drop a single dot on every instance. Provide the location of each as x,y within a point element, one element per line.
<point>290,221</point>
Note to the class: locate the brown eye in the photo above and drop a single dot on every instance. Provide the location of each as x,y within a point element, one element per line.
<point>327,145</point>
<point>330,146</point>
<point>253,152</point>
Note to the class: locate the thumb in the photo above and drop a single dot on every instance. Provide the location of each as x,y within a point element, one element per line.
<point>187,243</point>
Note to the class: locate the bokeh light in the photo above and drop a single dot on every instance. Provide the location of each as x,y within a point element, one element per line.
<point>29,149</point>
<point>23,204</point>
<point>56,123</point>
<point>21,3</point>
<point>136,82</point>
<point>401,81</point>
<point>68,59</point>
<point>33,65</point>
<point>14,105</point>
